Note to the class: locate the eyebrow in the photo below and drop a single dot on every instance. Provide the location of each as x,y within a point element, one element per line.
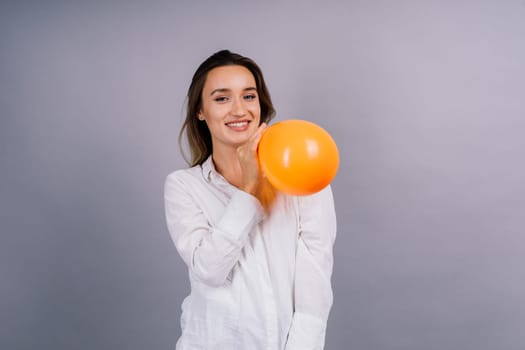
<point>251,88</point>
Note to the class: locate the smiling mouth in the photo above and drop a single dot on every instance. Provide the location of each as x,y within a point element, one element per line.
<point>238,124</point>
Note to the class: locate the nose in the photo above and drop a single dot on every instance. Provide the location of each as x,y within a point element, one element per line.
<point>238,108</point>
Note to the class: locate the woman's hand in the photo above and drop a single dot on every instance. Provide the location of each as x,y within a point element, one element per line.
<point>247,154</point>
<point>253,181</point>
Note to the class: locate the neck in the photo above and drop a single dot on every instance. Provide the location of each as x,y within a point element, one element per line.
<point>227,164</point>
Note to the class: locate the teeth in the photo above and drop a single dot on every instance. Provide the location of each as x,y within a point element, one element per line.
<point>237,124</point>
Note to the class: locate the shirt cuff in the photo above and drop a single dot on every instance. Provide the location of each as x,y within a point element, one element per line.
<point>307,333</point>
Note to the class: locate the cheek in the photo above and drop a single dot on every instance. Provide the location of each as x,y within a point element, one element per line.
<point>256,109</point>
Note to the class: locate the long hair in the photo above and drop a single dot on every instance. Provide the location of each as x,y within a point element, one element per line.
<point>195,131</point>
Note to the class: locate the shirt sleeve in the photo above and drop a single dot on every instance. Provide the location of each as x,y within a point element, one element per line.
<point>210,252</point>
<point>313,295</point>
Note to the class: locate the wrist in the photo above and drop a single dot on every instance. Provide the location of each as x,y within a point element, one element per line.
<point>250,188</point>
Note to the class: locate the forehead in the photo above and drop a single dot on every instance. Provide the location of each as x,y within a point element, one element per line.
<point>229,77</point>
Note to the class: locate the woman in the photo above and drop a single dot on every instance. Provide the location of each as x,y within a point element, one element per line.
<point>259,261</point>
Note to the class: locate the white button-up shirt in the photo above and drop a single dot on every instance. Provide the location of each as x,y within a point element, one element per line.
<point>258,281</point>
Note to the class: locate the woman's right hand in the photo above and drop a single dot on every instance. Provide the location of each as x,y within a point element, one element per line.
<point>247,155</point>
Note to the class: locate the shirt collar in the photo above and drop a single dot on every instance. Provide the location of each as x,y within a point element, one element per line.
<point>211,175</point>
<point>208,168</point>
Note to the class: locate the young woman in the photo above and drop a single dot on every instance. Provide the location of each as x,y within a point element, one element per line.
<point>259,261</point>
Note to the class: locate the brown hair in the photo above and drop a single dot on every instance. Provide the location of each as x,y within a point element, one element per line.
<point>196,132</point>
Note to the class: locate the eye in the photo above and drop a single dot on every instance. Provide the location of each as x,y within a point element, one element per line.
<point>250,97</point>
<point>220,99</point>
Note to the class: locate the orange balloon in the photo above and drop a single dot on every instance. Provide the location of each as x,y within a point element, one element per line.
<point>298,157</point>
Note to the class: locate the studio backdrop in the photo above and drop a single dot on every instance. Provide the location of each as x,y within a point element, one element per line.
<point>425,100</point>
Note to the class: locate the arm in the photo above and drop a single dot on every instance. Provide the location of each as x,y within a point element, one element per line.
<point>314,260</point>
<point>209,252</point>
<point>212,252</point>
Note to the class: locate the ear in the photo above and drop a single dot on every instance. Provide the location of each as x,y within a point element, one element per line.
<point>200,116</point>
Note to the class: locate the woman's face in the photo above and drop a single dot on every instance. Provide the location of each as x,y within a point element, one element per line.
<point>230,106</point>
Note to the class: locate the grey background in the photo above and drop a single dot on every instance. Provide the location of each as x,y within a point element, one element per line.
<point>424,98</point>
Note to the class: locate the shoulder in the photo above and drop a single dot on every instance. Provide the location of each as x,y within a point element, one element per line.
<point>324,196</point>
<point>181,174</point>
<point>183,179</point>
<point>319,204</point>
